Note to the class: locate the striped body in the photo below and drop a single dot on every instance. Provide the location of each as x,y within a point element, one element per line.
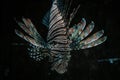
<point>58,40</point>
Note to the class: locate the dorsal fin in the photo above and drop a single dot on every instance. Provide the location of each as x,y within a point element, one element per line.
<point>46,18</point>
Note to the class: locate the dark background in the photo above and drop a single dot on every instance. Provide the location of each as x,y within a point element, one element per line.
<point>15,63</point>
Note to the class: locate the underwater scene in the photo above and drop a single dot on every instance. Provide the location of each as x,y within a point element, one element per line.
<point>60,40</point>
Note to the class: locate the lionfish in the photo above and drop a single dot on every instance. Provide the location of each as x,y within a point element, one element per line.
<point>61,38</point>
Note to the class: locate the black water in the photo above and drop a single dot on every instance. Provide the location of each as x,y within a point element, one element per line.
<point>15,63</point>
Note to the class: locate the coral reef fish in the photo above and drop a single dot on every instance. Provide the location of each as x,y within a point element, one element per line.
<point>61,38</point>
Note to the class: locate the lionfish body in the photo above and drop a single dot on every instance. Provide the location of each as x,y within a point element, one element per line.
<point>61,39</point>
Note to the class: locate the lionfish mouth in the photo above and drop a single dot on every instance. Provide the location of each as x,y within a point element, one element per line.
<point>60,67</point>
<point>60,59</point>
